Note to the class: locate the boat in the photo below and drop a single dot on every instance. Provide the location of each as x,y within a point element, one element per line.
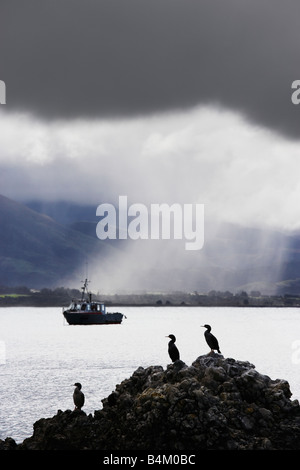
<point>89,312</point>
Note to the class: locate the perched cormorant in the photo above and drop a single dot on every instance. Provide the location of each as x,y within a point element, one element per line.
<point>211,339</point>
<point>172,349</point>
<point>78,396</point>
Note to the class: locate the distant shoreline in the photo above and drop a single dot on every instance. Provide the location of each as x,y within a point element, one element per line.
<point>61,297</point>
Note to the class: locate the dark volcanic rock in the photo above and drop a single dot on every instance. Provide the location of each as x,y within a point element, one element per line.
<point>215,403</point>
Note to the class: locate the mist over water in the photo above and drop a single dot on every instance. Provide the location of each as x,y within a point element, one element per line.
<point>232,258</point>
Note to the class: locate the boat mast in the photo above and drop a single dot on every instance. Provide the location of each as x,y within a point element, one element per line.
<point>85,289</point>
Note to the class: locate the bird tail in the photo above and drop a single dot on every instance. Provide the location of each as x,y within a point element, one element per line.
<point>219,351</point>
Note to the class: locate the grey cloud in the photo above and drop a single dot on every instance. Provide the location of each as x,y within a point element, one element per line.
<point>128,57</point>
<point>242,173</point>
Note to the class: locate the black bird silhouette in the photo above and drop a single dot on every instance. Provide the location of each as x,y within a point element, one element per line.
<point>211,339</point>
<point>78,396</point>
<point>172,349</point>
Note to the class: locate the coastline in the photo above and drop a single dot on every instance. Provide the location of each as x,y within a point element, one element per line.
<point>60,297</point>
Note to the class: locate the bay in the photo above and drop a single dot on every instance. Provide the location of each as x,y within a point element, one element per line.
<point>41,357</point>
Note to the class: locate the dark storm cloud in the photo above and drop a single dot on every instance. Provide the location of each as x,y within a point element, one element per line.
<point>71,58</point>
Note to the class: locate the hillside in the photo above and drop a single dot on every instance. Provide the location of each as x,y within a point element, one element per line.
<point>36,251</point>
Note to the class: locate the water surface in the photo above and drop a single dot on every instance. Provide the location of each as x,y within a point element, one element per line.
<point>41,357</point>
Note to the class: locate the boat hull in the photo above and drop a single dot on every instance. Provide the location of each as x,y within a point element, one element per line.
<point>83,318</point>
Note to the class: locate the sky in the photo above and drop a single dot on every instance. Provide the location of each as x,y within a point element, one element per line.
<point>163,101</point>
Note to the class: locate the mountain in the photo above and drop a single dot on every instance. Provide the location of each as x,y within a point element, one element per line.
<point>64,212</point>
<point>37,251</point>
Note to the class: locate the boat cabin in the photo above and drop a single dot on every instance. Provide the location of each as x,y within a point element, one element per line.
<point>80,306</point>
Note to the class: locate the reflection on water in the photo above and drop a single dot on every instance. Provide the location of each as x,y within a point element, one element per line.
<point>42,357</point>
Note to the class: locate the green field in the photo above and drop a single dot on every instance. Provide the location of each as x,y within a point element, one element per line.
<point>14,295</point>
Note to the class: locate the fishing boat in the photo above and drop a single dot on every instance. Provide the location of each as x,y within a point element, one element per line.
<point>89,312</point>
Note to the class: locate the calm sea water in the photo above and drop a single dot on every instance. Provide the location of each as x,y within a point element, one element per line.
<point>41,357</point>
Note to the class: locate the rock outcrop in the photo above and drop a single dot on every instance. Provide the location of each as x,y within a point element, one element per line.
<point>216,403</point>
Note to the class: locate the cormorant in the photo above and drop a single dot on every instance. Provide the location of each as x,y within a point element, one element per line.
<point>172,349</point>
<point>78,396</point>
<point>211,339</point>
